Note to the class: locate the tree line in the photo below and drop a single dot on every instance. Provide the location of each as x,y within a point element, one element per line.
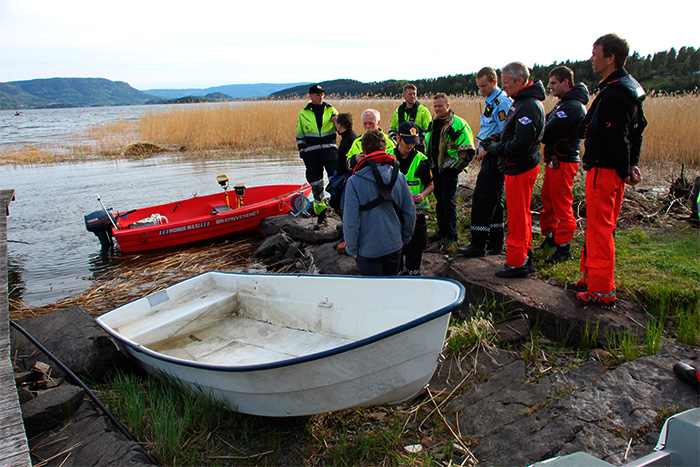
<point>666,72</point>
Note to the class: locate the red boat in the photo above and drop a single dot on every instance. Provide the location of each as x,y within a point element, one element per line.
<point>196,219</point>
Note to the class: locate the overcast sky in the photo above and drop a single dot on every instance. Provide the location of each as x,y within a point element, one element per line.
<point>203,43</point>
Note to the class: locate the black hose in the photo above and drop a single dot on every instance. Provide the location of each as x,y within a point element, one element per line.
<point>90,394</point>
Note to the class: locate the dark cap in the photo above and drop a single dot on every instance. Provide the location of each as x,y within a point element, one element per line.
<point>316,89</point>
<point>409,131</point>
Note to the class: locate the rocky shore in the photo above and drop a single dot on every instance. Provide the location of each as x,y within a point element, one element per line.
<point>507,416</point>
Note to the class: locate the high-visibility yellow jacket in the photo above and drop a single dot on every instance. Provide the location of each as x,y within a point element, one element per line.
<point>356,147</point>
<point>309,136</point>
<point>421,117</point>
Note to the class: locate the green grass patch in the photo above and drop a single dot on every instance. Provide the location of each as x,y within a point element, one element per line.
<point>658,269</point>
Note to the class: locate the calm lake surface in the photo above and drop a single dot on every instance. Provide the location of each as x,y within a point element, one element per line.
<point>50,254</point>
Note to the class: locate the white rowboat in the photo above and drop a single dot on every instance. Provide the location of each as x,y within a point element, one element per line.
<point>289,345</point>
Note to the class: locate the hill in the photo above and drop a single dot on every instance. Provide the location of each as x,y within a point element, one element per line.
<point>237,91</point>
<point>341,87</point>
<point>68,92</point>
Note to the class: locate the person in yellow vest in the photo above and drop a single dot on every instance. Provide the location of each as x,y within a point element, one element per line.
<point>371,118</point>
<point>317,146</point>
<point>411,111</point>
<point>416,167</point>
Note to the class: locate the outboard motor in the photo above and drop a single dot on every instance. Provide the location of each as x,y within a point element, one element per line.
<point>99,223</point>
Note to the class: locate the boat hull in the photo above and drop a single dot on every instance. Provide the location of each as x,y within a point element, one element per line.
<point>295,345</point>
<point>203,217</point>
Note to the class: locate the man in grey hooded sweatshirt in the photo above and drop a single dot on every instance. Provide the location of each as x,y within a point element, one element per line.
<point>379,214</point>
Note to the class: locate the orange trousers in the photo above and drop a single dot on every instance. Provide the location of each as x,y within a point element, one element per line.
<point>557,215</point>
<point>604,192</point>
<point>518,199</point>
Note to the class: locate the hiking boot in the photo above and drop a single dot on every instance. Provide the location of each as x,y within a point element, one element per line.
<point>547,243</point>
<point>577,287</point>
<point>687,374</point>
<point>321,220</point>
<point>511,272</point>
<point>587,298</point>
<point>561,254</point>
<point>471,251</point>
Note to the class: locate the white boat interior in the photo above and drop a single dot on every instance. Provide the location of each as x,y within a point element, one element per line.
<point>212,323</point>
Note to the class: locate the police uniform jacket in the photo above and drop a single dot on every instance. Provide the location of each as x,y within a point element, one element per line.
<point>614,124</point>
<point>561,130</point>
<point>496,109</point>
<point>518,149</point>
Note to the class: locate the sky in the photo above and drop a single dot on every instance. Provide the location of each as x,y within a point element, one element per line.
<point>204,43</point>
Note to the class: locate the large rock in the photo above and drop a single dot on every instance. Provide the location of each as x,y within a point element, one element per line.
<point>50,408</point>
<point>73,337</point>
<point>515,419</point>
<point>301,229</point>
<point>329,261</point>
<point>88,440</point>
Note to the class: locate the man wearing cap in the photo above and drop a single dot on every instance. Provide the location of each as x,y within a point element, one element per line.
<point>450,148</point>
<point>412,111</point>
<point>487,215</point>
<point>371,118</point>
<point>316,145</point>
<point>416,167</point>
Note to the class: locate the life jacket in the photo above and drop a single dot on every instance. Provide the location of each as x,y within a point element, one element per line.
<point>372,160</point>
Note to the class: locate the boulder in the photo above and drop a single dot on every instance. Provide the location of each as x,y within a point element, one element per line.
<point>88,440</point>
<point>73,337</point>
<point>50,408</point>
<point>329,261</point>
<point>274,246</point>
<point>301,228</point>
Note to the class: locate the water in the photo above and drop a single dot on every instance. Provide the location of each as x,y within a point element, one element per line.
<point>50,254</point>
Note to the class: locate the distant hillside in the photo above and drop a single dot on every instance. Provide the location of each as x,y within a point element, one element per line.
<point>237,91</point>
<point>68,92</point>
<point>213,97</point>
<point>343,87</point>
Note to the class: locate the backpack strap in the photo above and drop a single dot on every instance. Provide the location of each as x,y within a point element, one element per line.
<point>384,189</point>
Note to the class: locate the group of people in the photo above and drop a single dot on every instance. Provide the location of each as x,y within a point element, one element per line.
<point>382,182</point>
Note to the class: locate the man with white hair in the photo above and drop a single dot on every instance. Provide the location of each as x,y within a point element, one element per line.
<point>371,118</point>
<point>518,151</point>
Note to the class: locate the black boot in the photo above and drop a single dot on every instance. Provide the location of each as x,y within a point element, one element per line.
<point>321,220</point>
<point>561,254</point>
<point>547,243</point>
<point>471,251</point>
<point>510,272</point>
<point>687,374</point>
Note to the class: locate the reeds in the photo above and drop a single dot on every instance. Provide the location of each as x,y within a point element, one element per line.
<point>673,134</point>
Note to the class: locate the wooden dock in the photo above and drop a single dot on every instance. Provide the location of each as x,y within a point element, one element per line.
<point>13,440</point>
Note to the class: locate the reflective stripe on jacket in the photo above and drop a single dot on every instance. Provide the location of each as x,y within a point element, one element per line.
<point>309,136</point>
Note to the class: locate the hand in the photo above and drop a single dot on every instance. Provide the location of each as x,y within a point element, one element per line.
<point>334,118</point>
<point>489,145</point>
<point>481,155</point>
<point>635,176</point>
<point>418,198</point>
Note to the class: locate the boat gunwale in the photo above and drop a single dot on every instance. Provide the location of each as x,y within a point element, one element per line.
<point>305,358</point>
<point>126,231</point>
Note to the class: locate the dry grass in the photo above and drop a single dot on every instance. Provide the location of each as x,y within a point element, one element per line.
<point>673,134</point>
<point>138,276</point>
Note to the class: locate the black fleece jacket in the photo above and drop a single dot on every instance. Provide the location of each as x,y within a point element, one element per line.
<point>561,130</point>
<point>614,124</point>
<point>518,148</point>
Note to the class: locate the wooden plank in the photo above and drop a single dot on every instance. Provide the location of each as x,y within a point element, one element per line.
<point>14,451</point>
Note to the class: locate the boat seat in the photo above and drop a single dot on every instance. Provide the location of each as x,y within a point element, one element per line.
<point>220,208</point>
